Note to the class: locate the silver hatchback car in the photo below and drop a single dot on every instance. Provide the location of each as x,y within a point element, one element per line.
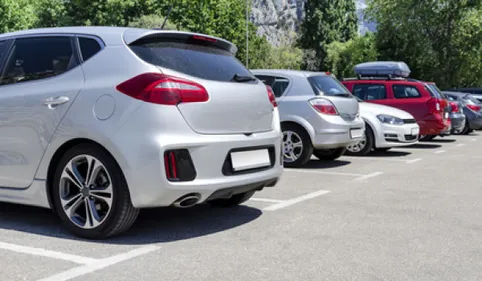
<point>319,115</point>
<point>99,122</point>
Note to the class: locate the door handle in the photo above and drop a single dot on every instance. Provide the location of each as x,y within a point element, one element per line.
<point>52,102</point>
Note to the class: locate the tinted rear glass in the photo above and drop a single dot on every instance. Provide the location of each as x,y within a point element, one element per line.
<point>471,99</point>
<point>3,51</point>
<point>199,61</point>
<point>328,86</point>
<point>436,91</point>
<point>89,47</point>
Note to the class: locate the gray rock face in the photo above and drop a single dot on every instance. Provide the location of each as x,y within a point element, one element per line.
<point>279,20</point>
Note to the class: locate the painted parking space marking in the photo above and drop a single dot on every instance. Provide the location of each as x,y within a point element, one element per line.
<point>46,253</point>
<point>100,264</point>
<point>387,159</point>
<point>413,160</point>
<point>439,151</point>
<point>369,176</point>
<point>267,200</point>
<point>295,200</point>
<point>322,172</point>
<point>460,144</point>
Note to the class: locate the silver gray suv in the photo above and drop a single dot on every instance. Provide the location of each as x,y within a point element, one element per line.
<point>99,122</point>
<point>318,114</point>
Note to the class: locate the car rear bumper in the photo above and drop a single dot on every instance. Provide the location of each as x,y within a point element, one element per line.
<point>336,133</point>
<point>433,125</point>
<point>475,121</point>
<point>457,121</point>
<point>143,152</point>
<point>394,136</point>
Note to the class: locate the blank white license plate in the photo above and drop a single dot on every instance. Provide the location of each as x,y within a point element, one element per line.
<point>356,133</point>
<point>251,159</point>
<point>415,131</point>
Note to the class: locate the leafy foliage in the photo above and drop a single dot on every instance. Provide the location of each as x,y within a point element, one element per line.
<point>16,15</point>
<point>326,22</point>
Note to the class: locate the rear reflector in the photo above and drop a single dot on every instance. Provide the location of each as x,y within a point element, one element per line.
<point>324,106</point>
<point>474,107</point>
<point>271,96</point>
<point>162,89</point>
<point>179,166</point>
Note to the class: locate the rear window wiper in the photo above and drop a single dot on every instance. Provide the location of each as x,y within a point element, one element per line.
<point>241,78</point>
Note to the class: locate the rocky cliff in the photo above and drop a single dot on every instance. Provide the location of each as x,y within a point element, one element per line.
<point>278,20</point>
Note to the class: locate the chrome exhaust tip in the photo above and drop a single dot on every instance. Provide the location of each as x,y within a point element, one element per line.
<point>187,201</point>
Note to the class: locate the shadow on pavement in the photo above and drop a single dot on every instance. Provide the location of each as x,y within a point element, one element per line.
<point>425,146</point>
<point>442,140</point>
<point>389,154</point>
<point>320,164</point>
<point>152,226</point>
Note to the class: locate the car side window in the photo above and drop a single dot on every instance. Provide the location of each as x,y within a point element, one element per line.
<point>279,86</point>
<point>3,51</point>
<point>405,92</point>
<point>370,91</point>
<point>38,58</point>
<point>88,47</point>
<point>268,80</point>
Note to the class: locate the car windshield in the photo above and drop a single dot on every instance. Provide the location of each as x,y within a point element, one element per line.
<point>328,86</point>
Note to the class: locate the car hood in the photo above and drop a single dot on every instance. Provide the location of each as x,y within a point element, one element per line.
<point>367,109</point>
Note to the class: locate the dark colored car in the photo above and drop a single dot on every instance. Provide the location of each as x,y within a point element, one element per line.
<point>472,110</point>
<point>475,92</point>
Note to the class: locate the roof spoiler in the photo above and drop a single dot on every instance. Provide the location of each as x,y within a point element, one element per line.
<point>136,36</point>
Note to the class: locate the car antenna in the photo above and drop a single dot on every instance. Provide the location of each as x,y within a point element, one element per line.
<point>167,16</point>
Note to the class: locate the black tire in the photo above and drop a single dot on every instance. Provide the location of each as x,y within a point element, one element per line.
<point>369,144</point>
<point>307,149</point>
<point>329,154</point>
<point>383,149</point>
<point>235,200</point>
<point>465,130</point>
<point>426,137</point>
<point>122,214</point>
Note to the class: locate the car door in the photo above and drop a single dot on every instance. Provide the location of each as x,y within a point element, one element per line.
<point>39,81</point>
<point>408,97</point>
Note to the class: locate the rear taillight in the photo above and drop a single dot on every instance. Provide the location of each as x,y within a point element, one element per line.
<point>271,96</point>
<point>455,107</point>
<point>179,166</point>
<point>324,106</point>
<point>434,106</point>
<point>474,107</point>
<point>162,89</point>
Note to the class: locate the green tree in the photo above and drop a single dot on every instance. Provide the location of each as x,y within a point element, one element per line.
<point>342,57</point>
<point>16,15</point>
<point>326,22</point>
<point>439,39</point>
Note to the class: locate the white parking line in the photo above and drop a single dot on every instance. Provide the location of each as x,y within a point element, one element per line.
<point>460,144</point>
<point>46,253</point>
<point>100,264</point>
<point>413,160</point>
<point>387,159</point>
<point>365,177</point>
<point>266,200</point>
<point>322,172</point>
<point>473,139</point>
<point>293,201</point>
<point>439,151</point>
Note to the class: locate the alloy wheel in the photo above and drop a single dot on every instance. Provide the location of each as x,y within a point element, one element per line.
<point>86,192</point>
<point>292,146</point>
<point>359,146</point>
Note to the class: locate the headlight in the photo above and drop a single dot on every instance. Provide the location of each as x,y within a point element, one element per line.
<point>392,120</point>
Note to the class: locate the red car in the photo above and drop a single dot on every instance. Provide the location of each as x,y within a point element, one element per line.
<point>386,83</point>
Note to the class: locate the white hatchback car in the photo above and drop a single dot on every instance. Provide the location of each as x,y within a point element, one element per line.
<point>385,127</point>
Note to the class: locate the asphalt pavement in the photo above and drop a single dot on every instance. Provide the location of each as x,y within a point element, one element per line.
<point>412,213</point>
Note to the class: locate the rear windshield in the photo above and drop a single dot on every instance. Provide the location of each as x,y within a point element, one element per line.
<point>471,100</point>
<point>204,62</point>
<point>328,86</point>
<point>435,91</point>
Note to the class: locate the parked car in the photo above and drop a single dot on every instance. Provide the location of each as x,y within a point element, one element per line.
<point>471,109</point>
<point>387,83</point>
<point>99,122</point>
<point>319,116</point>
<point>385,127</point>
<point>475,92</point>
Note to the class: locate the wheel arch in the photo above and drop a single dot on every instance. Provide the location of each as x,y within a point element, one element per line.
<point>302,123</point>
<point>57,156</point>
<point>372,128</point>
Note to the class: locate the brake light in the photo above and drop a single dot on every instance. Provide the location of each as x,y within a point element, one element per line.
<point>455,107</point>
<point>163,89</point>
<point>324,106</point>
<point>474,107</point>
<point>203,38</point>
<point>434,106</point>
<point>271,96</point>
